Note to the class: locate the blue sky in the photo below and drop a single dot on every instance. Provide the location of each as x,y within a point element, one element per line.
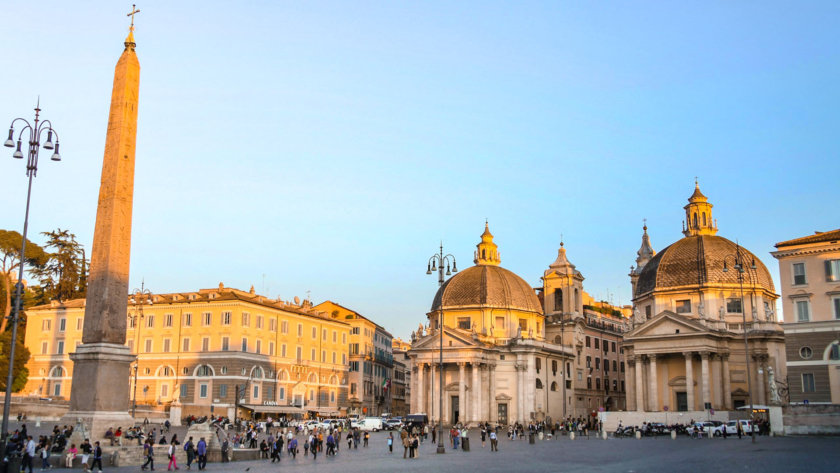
<point>330,146</point>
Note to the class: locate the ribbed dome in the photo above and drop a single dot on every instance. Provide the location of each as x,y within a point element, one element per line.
<point>487,286</point>
<point>697,260</point>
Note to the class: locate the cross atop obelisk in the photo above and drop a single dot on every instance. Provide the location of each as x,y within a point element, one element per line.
<point>134,11</point>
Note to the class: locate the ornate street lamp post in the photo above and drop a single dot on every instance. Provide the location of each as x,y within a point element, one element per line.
<point>139,298</point>
<point>738,258</point>
<point>436,263</point>
<point>36,130</point>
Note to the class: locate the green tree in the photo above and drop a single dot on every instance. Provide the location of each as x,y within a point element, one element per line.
<point>10,263</point>
<point>21,372</point>
<point>63,276</point>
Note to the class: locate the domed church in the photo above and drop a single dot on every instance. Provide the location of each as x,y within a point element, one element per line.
<point>685,350</point>
<point>497,365</point>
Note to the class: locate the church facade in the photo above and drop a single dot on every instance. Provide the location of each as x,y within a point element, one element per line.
<point>498,366</point>
<point>686,350</point>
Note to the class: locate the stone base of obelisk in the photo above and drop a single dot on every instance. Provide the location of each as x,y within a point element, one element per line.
<point>99,395</point>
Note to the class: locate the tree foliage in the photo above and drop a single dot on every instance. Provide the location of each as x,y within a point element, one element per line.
<point>36,257</point>
<point>63,276</point>
<point>21,372</point>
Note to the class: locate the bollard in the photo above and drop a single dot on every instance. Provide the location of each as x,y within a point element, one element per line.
<point>673,435</point>
<point>531,438</point>
<point>37,422</point>
<point>604,434</point>
<point>638,434</point>
<point>571,435</point>
<point>540,435</point>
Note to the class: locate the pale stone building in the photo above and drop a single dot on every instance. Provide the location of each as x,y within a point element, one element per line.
<point>497,364</point>
<point>810,278</point>
<point>686,349</point>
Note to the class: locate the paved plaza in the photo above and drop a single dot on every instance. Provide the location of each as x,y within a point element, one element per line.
<point>648,455</point>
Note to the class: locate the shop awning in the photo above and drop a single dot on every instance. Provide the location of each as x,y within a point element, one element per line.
<point>273,409</point>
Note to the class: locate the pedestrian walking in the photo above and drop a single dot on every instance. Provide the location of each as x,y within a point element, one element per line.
<point>390,442</point>
<point>28,454</point>
<point>201,450</point>
<point>97,457</point>
<point>173,463</point>
<point>189,447</point>
<point>494,442</point>
<point>293,444</point>
<point>149,453</point>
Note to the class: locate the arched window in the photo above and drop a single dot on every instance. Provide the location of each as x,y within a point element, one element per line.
<point>577,300</point>
<point>557,340</point>
<point>539,383</point>
<point>257,372</point>
<point>695,219</point>
<point>204,370</point>
<point>313,378</point>
<point>704,218</point>
<point>333,380</point>
<point>554,386</point>
<point>834,351</point>
<point>165,371</point>
<point>57,372</point>
<point>558,299</point>
<point>282,376</point>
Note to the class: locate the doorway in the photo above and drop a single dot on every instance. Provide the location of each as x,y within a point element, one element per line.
<point>455,409</point>
<point>682,402</point>
<point>503,413</point>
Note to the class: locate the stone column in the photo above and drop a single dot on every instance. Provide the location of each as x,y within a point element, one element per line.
<point>476,392</point>
<point>631,385</point>
<point>492,411</point>
<point>689,379</point>
<point>412,403</point>
<point>462,393</point>
<point>639,385</point>
<point>519,392</point>
<point>727,387</point>
<point>434,392</point>
<point>654,385</point>
<point>421,388</point>
<point>704,369</point>
<point>530,380</point>
<point>760,372</point>
<point>101,364</point>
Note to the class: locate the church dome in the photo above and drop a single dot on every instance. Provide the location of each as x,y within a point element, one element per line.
<point>486,286</point>
<point>698,260</point>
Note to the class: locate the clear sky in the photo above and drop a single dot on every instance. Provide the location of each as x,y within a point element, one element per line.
<point>330,146</point>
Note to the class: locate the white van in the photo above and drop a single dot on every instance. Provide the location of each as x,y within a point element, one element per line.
<point>371,424</point>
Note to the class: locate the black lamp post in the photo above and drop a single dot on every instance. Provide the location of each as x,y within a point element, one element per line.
<point>36,130</point>
<point>436,263</point>
<point>138,298</point>
<point>739,263</point>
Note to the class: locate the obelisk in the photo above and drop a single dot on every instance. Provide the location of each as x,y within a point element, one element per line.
<point>99,397</point>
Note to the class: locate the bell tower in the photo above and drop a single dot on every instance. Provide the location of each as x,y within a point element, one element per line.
<point>487,252</point>
<point>698,215</point>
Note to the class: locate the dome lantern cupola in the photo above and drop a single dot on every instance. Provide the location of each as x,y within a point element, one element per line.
<point>487,252</point>
<point>698,215</point>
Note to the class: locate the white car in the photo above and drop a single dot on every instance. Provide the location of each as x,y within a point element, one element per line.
<point>732,427</point>
<point>371,423</point>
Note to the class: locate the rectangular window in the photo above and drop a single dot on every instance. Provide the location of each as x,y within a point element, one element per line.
<point>281,393</point>
<point>344,338</point>
<point>188,320</point>
<point>205,344</point>
<point>589,362</point>
<point>130,345</point>
<point>60,347</point>
<point>206,319</point>
<point>597,383</point>
<point>683,306</point>
<point>324,334</point>
<point>354,331</point>
<point>733,305</point>
<point>588,341</point>
<point>299,353</point>
<point>223,391</point>
<point>283,350</point>
<point>256,392</point>
<point>836,304</point>
<point>258,347</point>
<point>335,336</point>
<point>589,382</point>
<point>167,320</point>
<point>244,344</point>
<point>186,344</point>
<point>606,366</point>
<point>271,348</point>
<point>464,323</point>
<point>183,389</point>
<point>803,311</point>
<point>166,345</point>
<point>648,311</point>
<point>43,348</point>
<point>523,325</point>
<point>150,321</point>
<point>312,355</point>
<point>612,346</point>
<point>314,333</point>
<point>284,327</point>
<point>45,325</point>
<point>832,270</point>
<point>808,383</point>
<point>260,322</point>
<point>148,345</point>
<point>799,274</point>
<point>344,358</point>
<point>300,330</point>
<point>597,341</point>
<point>622,366</point>
<point>79,324</point>
<point>597,362</point>
<point>246,319</point>
<point>202,390</point>
<point>323,356</point>
<point>226,318</point>
<point>353,388</point>
<point>354,348</point>
<point>225,343</point>
<point>62,324</point>
<point>272,325</point>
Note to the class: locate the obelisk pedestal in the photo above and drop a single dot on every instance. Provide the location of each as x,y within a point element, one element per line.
<point>99,396</point>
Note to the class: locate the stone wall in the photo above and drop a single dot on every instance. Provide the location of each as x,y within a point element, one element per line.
<point>819,419</point>
<point>611,419</point>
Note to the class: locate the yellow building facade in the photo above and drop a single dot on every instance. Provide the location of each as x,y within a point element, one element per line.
<point>198,349</point>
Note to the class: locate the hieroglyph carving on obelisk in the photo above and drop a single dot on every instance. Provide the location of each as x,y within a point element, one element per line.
<point>101,365</point>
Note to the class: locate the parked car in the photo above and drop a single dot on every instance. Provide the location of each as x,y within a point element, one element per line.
<point>392,424</point>
<point>371,423</point>
<point>732,426</point>
<point>709,427</point>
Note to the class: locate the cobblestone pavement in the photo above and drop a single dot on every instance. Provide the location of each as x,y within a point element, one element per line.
<point>648,455</point>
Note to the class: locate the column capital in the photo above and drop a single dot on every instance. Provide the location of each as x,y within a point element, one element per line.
<point>638,359</point>
<point>688,354</point>
<point>462,364</point>
<point>652,358</point>
<point>724,356</point>
<point>705,355</point>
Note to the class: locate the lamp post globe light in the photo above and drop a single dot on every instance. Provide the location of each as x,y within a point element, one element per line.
<point>139,298</point>
<point>436,263</point>
<point>738,263</point>
<point>36,131</point>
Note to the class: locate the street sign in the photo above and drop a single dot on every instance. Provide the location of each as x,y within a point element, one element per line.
<point>805,402</point>
<point>712,411</point>
<point>665,408</point>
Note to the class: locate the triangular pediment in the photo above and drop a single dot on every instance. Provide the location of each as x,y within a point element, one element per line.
<point>451,339</point>
<point>667,323</point>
